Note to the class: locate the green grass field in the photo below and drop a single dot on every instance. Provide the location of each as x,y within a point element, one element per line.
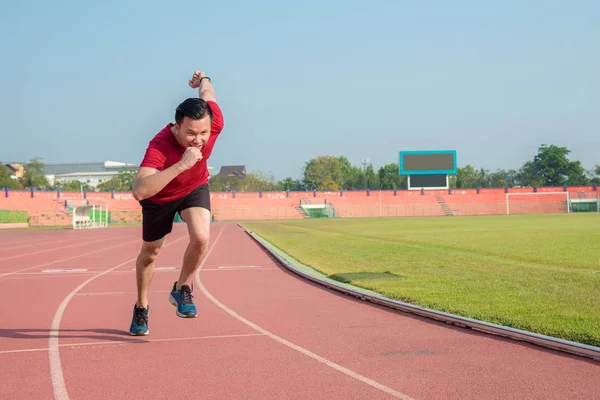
<point>13,216</point>
<point>535,272</point>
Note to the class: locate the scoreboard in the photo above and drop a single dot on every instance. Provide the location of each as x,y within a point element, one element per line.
<point>428,162</point>
<point>428,169</point>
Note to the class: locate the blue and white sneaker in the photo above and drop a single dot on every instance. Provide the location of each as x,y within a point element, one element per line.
<point>139,322</point>
<point>182,299</point>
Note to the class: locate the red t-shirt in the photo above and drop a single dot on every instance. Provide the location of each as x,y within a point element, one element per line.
<point>164,150</point>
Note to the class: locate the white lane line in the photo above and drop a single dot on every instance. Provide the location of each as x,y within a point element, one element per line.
<point>47,275</point>
<point>133,340</point>
<point>57,271</point>
<point>75,271</point>
<point>102,293</point>
<point>56,248</point>
<point>33,243</point>
<point>289,344</point>
<point>67,259</point>
<point>236,269</point>
<point>161,269</point>
<point>239,267</point>
<point>56,372</point>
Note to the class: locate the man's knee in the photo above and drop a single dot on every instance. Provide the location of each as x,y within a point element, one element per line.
<point>198,222</point>
<point>150,252</point>
<point>200,240</point>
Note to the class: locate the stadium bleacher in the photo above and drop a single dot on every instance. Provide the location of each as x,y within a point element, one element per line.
<point>54,208</point>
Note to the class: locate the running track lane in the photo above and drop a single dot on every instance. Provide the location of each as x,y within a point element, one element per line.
<point>214,356</point>
<point>263,333</point>
<point>38,253</point>
<point>28,302</point>
<point>415,356</point>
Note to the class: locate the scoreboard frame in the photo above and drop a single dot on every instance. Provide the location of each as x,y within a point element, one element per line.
<point>447,171</point>
<point>437,178</point>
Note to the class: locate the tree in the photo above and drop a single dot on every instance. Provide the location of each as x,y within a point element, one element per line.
<point>390,178</point>
<point>452,181</point>
<point>253,182</point>
<point>327,172</point>
<point>34,175</point>
<point>322,169</point>
<point>468,177</point>
<point>353,178</point>
<point>527,176</point>
<point>6,181</point>
<point>594,175</point>
<point>372,180</point>
<point>218,184</point>
<point>329,185</point>
<point>552,167</point>
<point>290,184</point>
<point>500,178</point>
<point>123,182</point>
<point>72,186</point>
<point>256,181</point>
<point>224,183</point>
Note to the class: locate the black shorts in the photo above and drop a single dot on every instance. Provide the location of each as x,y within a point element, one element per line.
<point>157,219</point>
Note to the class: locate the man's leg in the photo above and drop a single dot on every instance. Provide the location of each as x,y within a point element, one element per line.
<point>144,269</point>
<point>157,222</point>
<point>198,223</point>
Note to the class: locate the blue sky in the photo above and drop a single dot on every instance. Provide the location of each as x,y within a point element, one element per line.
<point>86,81</point>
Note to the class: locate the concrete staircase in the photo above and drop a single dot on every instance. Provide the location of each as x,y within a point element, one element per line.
<point>302,212</point>
<point>444,205</point>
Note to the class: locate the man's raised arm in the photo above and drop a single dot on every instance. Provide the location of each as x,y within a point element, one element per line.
<point>206,91</point>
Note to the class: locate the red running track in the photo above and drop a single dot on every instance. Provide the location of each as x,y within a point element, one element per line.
<point>262,333</point>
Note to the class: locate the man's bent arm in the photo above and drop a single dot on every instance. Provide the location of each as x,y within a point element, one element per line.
<point>150,181</point>
<point>206,91</point>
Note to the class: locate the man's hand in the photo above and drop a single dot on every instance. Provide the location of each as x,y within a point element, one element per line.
<point>190,157</point>
<point>195,81</point>
<point>205,88</point>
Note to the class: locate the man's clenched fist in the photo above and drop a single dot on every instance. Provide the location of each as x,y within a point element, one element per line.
<point>190,157</point>
<point>195,81</point>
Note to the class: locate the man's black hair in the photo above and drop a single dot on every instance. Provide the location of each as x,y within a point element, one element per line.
<point>193,108</point>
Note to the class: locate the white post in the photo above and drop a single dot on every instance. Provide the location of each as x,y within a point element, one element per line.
<point>74,211</point>
<point>93,215</point>
<point>506,203</point>
<point>380,202</point>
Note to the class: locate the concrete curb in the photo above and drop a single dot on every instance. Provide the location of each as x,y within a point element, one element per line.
<point>549,342</point>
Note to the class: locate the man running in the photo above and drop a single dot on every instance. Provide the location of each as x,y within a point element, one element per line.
<point>173,178</point>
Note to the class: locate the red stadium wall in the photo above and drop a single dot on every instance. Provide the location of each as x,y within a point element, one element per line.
<point>49,208</point>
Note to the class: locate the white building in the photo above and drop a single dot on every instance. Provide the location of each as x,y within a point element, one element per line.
<point>92,173</point>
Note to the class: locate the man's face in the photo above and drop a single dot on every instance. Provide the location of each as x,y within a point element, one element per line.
<point>193,132</point>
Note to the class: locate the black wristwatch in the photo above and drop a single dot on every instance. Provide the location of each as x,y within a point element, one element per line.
<point>204,77</point>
